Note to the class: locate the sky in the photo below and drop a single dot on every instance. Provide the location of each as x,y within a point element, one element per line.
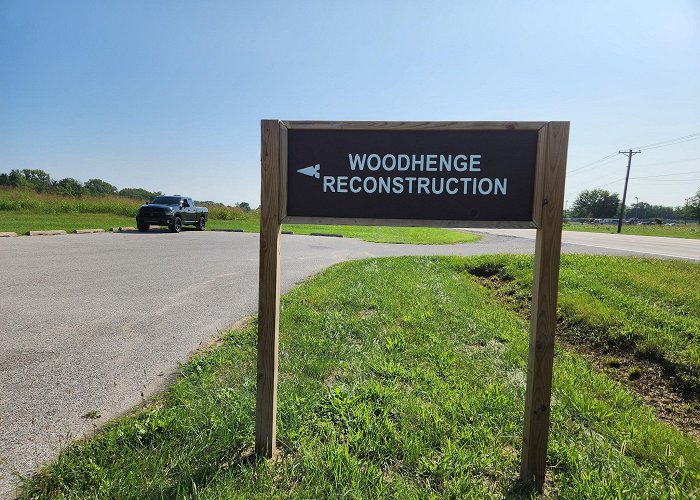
<point>168,95</point>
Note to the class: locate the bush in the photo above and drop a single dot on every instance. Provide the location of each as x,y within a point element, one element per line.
<point>226,213</point>
<point>69,187</point>
<point>24,200</point>
<point>14,199</point>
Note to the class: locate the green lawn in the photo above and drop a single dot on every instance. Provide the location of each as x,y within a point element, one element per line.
<point>377,234</point>
<point>690,230</point>
<point>399,378</point>
<point>22,222</point>
<point>418,235</point>
<point>646,307</point>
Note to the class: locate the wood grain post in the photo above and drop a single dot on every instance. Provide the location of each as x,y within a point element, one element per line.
<point>549,194</point>
<point>269,291</point>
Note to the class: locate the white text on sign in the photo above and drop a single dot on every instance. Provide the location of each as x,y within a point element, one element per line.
<point>460,163</point>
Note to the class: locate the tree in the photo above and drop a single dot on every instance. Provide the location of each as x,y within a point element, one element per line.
<point>16,179</point>
<point>39,179</point>
<point>244,205</point>
<point>69,187</point>
<point>138,193</point>
<point>695,200</point>
<point>596,203</point>
<point>98,187</point>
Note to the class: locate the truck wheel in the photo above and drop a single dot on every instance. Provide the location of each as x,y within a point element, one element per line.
<point>201,224</point>
<point>142,227</point>
<point>176,226</point>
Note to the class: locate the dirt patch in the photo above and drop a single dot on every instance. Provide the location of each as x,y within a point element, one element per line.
<point>649,379</point>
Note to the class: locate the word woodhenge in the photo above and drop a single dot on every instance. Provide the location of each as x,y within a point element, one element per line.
<point>441,174</point>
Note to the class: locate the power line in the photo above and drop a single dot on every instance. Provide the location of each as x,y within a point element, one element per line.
<point>607,162</point>
<point>641,179</point>
<point>671,180</point>
<point>671,142</point>
<point>666,175</point>
<point>612,155</point>
<point>686,160</point>
<point>654,145</point>
<point>608,183</point>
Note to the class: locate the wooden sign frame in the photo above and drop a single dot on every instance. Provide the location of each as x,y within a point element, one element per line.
<point>548,201</point>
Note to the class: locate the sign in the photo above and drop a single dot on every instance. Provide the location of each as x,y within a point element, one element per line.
<point>445,174</point>
<point>456,175</point>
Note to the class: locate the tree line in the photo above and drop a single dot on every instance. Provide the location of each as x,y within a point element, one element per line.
<point>40,181</point>
<point>602,204</point>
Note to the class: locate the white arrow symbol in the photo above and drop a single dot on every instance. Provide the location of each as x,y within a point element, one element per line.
<point>312,171</point>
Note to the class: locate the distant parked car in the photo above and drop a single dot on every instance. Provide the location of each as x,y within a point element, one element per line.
<point>172,211</point>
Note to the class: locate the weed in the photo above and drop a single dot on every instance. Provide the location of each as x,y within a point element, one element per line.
<point>634,373</point>
<point>613,362</point>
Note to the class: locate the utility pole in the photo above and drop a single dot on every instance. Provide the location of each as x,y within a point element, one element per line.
<point>636,208</point>
<point>629,155</point>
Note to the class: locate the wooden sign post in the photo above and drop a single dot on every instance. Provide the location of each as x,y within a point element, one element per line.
<point>440,174</point>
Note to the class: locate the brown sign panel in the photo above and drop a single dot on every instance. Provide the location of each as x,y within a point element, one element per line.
<point>449,175</point>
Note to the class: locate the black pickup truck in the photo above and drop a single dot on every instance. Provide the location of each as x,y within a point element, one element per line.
<point>172,211</point>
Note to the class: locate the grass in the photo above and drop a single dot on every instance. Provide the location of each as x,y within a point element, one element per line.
<point>377,234</point>
<point>22,201</point>
<point>645,307</point>
<point>399,378</point>
<point>690,230</point>
<point>23,211</point>
<point>23,222</point>
<point>416,235</point>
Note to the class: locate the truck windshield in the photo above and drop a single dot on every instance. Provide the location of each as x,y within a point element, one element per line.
<point>166,200</point>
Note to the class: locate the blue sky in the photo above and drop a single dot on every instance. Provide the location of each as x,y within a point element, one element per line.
<point>169,95</point>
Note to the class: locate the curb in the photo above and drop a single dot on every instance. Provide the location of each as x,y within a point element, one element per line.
<point>121,229</point>
<point>227,230</point>
<point>8,234</point>
<point>87,231</point>
<point>55,232</point>
<point>329,235</point>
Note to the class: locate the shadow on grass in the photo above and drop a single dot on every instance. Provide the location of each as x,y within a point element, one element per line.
<point>520,489</point>
<point>193,482</point>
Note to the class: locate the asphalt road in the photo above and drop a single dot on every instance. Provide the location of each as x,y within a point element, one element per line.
<point>99,322</point>
<point>656,246</point>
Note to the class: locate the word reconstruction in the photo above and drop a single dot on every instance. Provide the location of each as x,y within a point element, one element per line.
<point>415,185</point>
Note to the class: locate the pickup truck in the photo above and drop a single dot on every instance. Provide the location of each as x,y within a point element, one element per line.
<point>172,211</point>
